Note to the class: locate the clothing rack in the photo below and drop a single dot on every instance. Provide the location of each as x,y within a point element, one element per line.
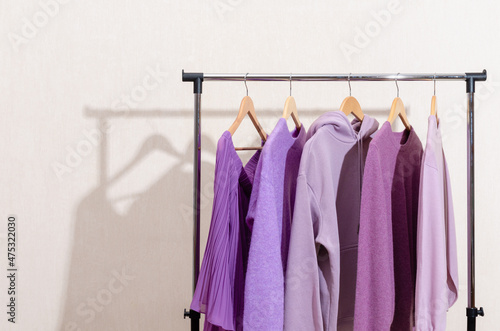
<point>197,78</point>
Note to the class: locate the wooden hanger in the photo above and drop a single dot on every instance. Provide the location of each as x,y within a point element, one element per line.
<point>434,108</point>
<point>433,103</point>
<point>247,108</point>
<point>351,106</point>
<point>291,108</point>
<point>398,109</point>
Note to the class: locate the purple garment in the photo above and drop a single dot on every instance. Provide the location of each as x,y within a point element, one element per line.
<point>220,288</point>
<point>321,273</point>
<point>385,284</point>
<point>269,217</point>
<point>437,270</point>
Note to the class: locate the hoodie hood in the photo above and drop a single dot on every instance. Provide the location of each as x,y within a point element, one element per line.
<point>345,130</point>
<point>327,208</point>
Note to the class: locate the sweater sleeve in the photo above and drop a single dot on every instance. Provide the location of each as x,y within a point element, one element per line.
<point>374,303</point>
<point>436,287</point>
<point>451,241</point>
<point>302,293</point>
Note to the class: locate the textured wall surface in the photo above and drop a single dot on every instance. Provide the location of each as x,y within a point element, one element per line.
<point>97,134</point>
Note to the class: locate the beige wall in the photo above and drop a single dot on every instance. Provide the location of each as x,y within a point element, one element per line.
<point>103,203</point>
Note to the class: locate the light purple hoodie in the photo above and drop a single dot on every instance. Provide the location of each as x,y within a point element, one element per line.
<point>437,270</point>
<point>321,274</point>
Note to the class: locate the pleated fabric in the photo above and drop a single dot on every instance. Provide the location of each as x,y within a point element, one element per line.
<point>221,283</point>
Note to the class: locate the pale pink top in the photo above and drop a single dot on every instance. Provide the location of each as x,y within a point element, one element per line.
<point>437,271</point>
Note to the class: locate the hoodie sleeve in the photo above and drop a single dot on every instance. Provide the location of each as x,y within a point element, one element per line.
<point>374,303</point>
<point>302,293</point>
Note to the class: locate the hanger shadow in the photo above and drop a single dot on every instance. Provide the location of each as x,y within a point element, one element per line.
<point>131,263</point>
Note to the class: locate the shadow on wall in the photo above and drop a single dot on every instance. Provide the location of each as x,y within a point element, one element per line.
<point>128,270</point>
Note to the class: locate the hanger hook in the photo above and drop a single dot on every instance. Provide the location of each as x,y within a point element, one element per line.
<point>290,84</point>
<point>349,82</point>
<point>397,86</point>
<point>434,84</point>
<point>246,82</point>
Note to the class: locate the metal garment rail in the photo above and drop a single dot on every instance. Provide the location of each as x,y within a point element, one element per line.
<point>197,78</point>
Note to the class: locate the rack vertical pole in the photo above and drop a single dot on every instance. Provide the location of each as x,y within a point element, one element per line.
<point>197,79</point>
<point>471,319</point>
<point>196,189</point>
<point>195,316</point>
<point>472,311</point>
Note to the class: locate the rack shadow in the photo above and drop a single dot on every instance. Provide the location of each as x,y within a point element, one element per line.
<point>129,266</point>
<point>128,271</point>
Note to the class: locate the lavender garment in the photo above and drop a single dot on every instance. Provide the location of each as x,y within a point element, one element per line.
<point>321,274</point>
<point>437,270</point>
<point>269,217</point>
<point>386,273</point>
<point>220,288</point>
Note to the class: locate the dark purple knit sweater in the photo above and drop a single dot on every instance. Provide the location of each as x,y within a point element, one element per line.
<point>386,274</point>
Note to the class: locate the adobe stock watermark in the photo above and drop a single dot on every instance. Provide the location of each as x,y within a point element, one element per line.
<point>207,186</point>
<point>32,26</point>
<point>151,81</point>
<point>455,115</point>
<point>372,29</point>
<point>76,153</point>
<point>89,309</point>
<point>206,198</point>
<point>222,7</point>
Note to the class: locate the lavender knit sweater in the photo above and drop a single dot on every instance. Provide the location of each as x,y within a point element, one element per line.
<point>269,216</point>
